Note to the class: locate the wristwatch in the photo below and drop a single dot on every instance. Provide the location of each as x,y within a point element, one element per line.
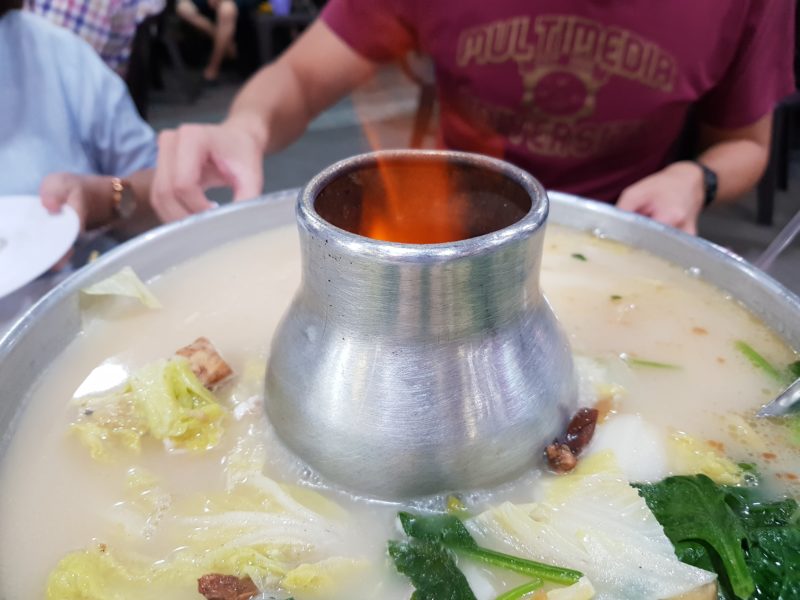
<point>709,183</point>
<point>123,198</point>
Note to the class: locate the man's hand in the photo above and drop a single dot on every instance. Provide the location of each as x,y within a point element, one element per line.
<point>673,196</point>
<point>194,158</point>
<point>270,112</point>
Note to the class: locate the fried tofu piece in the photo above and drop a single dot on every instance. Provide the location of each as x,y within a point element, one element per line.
<point>205,362</point>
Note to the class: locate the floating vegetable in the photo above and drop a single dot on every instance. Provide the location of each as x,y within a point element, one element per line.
<point>431,569</point>
<point>449,531</point>
<point>754,545</point>
<point>648,364</point>
<point>759,362</point>
<point>256,530</point>
<point>164,400</point>
<point>592,520</point>
<point>125,282</point>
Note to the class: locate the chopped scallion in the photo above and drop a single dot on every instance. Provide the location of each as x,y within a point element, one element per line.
<point>648,364</point>
<point>759,362</point>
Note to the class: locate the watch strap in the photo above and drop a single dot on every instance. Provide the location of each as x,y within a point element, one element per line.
<point>710,184</point>
<point>123,203</point>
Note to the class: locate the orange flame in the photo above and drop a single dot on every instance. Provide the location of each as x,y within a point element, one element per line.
<point>414,205</point>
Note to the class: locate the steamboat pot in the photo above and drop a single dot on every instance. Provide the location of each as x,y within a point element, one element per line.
<point>432,366</point>
<point>44,332</point>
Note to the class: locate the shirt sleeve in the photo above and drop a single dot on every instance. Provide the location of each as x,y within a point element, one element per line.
<point>760,74</point>
<point>113,134</point>
<point>379,30</point>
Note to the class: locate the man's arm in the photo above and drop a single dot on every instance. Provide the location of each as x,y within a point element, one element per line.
<point>270,112</point>
<point>281,99</point>
<point>738,156</point>
<point>675,195</point>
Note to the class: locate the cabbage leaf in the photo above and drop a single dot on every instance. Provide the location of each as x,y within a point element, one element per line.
<point>256,527</point>
<point>93,575</point>
<point>176,406</point>
<point>164,400</point>
<point>124,282</point>
<point>331,577</point>
<point>592,520</point>
<point>690,456</point>
<point>96,574</point>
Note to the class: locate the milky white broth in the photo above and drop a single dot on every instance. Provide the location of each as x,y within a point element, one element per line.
<point>56,499</point>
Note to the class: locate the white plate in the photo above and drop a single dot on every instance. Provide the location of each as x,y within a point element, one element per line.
<point>31,239</point>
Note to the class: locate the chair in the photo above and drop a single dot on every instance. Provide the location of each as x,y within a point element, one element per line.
<point>156,38</point>
<point>784,129</point>
<point>784,126</point>
<point>137,76</point>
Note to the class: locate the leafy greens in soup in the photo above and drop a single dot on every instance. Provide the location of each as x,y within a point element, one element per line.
<point>169,485</point>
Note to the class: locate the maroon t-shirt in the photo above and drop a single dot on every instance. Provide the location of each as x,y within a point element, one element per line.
<point>588,95</point>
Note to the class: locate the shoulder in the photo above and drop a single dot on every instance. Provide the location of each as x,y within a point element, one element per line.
<point>39,28</point>
<point>49,39</point>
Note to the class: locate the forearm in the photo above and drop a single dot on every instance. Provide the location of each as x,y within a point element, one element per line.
<point>738,164</point>
<point>278,103</point>
<point>738,157</point>
<point>272,107</point>
<point>675,195</point>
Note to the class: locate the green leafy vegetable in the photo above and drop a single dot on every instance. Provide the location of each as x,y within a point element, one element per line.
<point>432,570</point>
<point>759,362</point>
<point>164,399</point>
<point>774,559</point>
<point>124,283</point>
<point>451,532</point>
<point>579,256</point>
<point>783,377</point>
<point>521,591</point>
<point>794,369</point>
<point>753,545</point>
<point>694,508</point>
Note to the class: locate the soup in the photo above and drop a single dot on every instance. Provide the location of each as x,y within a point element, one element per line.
<point>660,354</point>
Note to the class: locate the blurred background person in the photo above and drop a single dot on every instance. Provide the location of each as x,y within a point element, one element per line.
<point>109,26</point>
<point>217,19</point>
<point>591,97</point>
<point>66,115</point>
<point>70,134</point>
